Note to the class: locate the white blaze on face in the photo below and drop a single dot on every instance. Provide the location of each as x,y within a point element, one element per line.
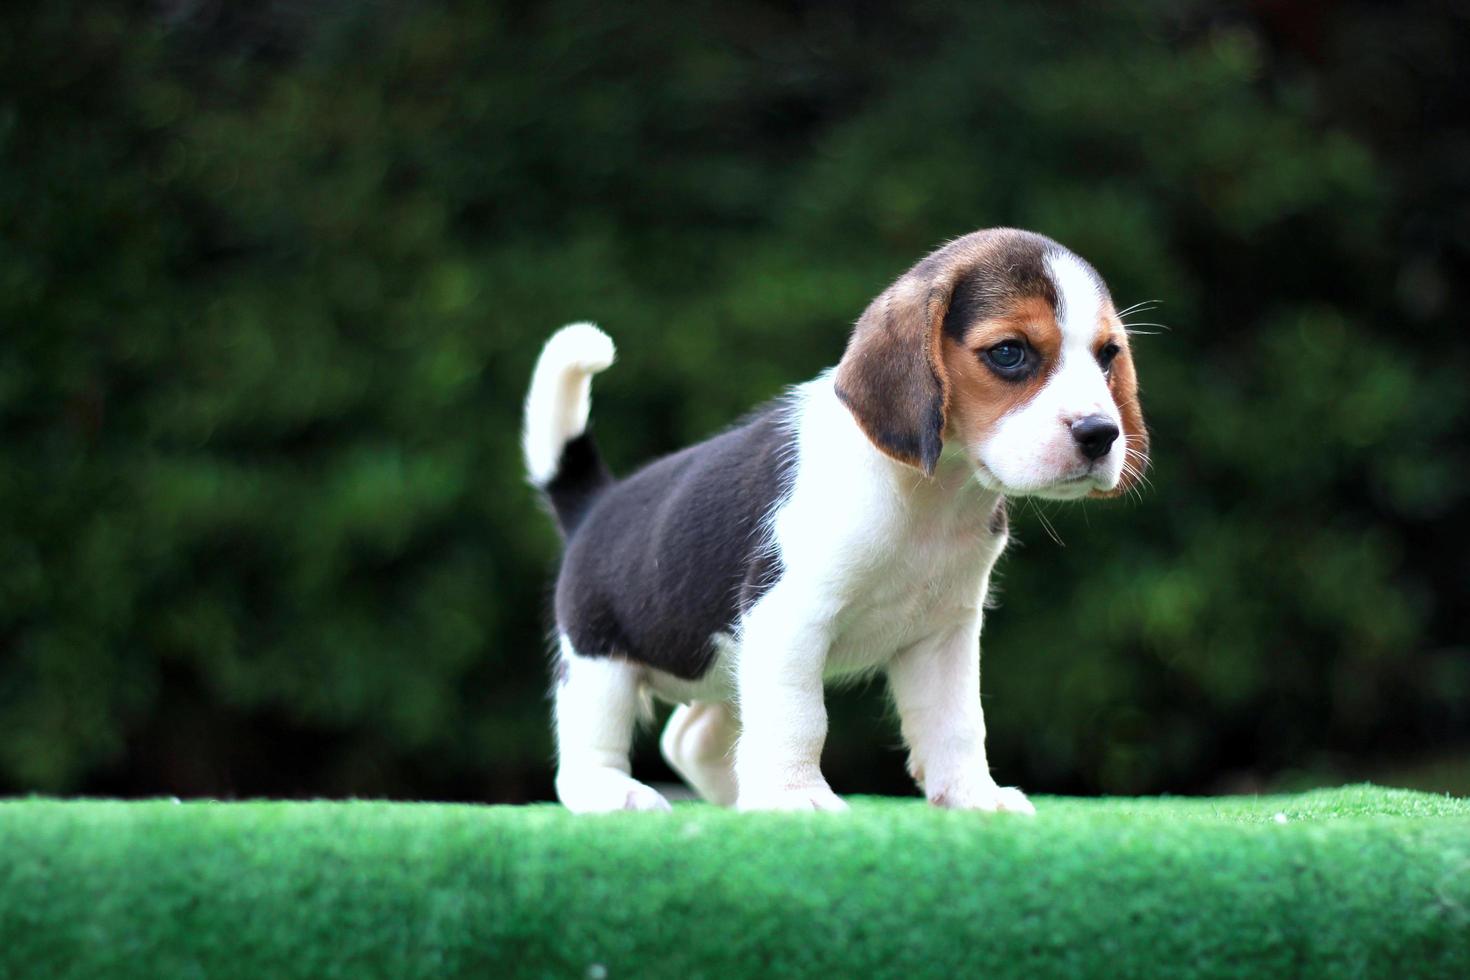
<point>1031,449</point>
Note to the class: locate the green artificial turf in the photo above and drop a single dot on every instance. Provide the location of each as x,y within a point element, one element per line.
<point>1349,882</point>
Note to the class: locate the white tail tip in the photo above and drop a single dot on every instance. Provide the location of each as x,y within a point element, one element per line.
<point>561,395</point>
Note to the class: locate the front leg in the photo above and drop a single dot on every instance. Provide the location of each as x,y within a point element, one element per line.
<point>783,714</point>
<point>936,686</point>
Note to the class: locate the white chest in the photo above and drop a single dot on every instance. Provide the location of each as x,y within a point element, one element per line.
<point>885,555</point>
<point>922,580</point>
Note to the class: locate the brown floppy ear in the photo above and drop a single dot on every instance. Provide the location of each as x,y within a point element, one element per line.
<point>892,377</point>
<point>1123,382</point>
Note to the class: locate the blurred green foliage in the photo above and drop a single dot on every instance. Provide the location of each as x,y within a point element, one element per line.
<point>272,279</point>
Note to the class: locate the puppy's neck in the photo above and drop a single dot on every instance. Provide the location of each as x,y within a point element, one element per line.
<point>832,438</point>
<point>951,490</point>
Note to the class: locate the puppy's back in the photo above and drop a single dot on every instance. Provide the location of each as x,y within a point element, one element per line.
<point>671,555</point>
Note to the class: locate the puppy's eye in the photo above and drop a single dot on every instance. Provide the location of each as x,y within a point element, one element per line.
<point>1106,355</point>
<point>1007,356</point>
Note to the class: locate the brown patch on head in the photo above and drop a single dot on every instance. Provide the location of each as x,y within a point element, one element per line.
<point>1123,384</point>
<point>910,373</point>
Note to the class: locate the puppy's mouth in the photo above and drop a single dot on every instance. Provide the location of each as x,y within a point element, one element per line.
<point>1070,488</point>
<point>1073,486</point>
<point>1093,479</point>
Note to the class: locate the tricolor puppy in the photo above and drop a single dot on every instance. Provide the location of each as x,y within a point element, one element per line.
<point>849,527</point>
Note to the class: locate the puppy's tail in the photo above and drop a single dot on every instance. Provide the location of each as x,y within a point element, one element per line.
<point>561,458</point>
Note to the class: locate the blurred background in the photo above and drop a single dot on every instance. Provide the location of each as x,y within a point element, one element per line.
<point>273,276</point>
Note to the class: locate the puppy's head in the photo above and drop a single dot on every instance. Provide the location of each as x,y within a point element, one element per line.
<point>1003,347</point>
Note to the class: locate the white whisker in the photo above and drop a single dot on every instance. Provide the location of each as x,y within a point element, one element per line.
<point>1138,307</point>
<point>1046,525</point>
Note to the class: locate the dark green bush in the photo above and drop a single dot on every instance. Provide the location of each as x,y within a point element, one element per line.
<point>271,284</point>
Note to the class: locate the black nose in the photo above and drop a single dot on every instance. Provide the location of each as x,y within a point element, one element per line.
<point>1095,435</point>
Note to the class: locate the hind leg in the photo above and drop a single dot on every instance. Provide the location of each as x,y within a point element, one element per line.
<point>699,743</point>
<point>596,711</point>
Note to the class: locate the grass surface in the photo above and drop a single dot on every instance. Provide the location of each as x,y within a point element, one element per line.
<point>1348,882</point>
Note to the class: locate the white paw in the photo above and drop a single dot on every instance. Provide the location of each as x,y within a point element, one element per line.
<point>605,790</point>
<point>801,798</point>
<point>984,796</point>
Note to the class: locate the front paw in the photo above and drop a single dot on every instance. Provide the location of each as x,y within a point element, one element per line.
<point>794,799</point>
<point>983,795</point>
<point>601,790</point>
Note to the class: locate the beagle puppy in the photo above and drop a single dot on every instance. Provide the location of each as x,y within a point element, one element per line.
<point>845,529</point>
